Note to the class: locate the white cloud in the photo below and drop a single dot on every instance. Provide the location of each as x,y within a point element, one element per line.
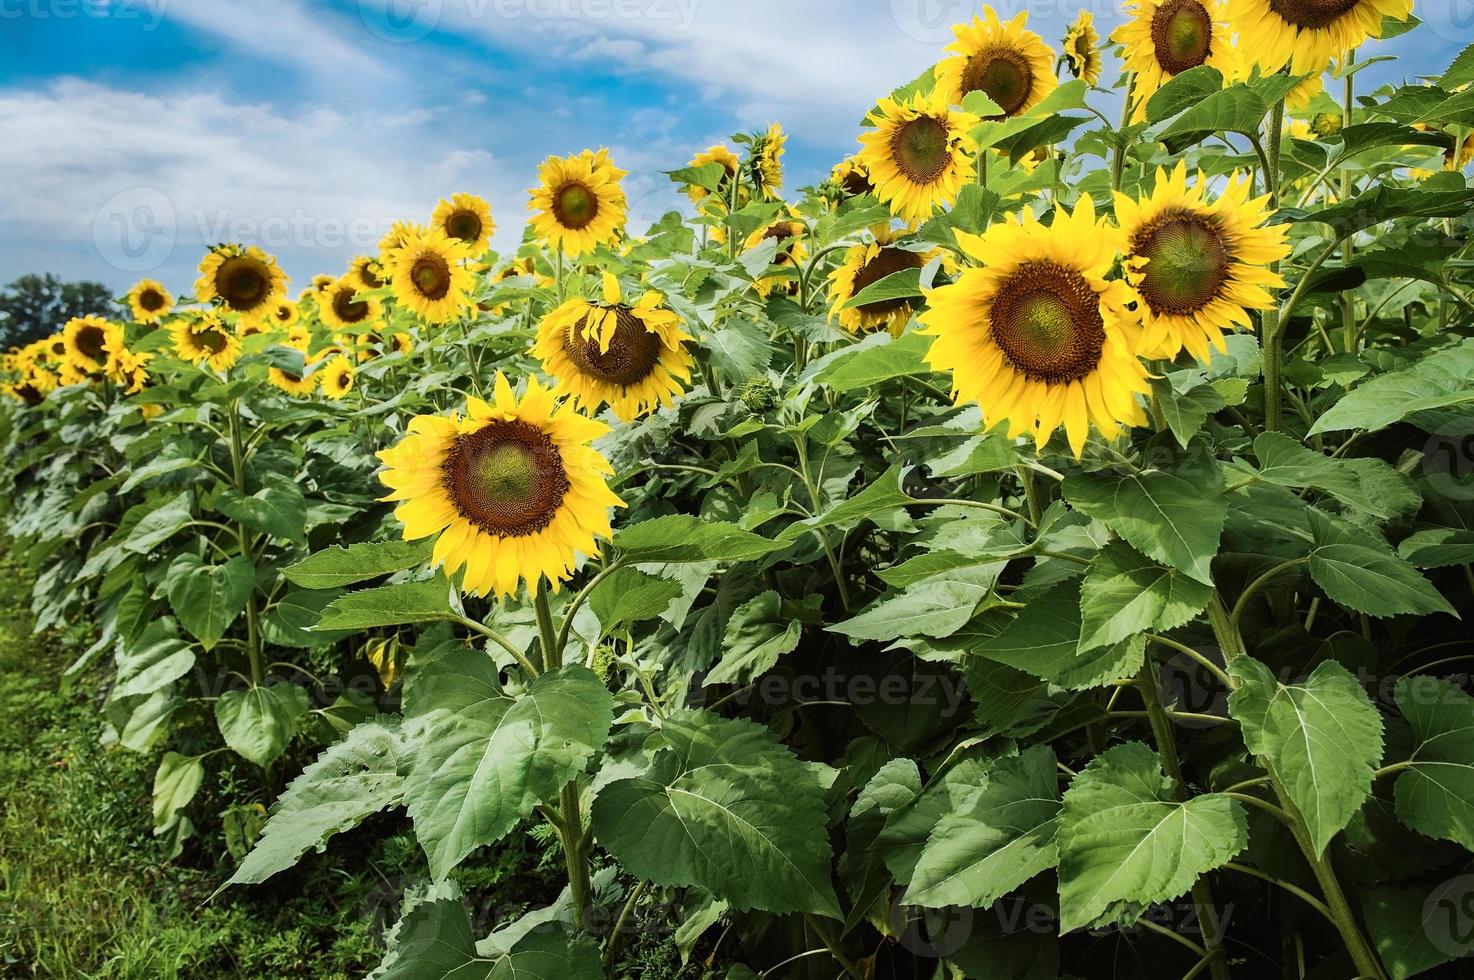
<point>283,31</point>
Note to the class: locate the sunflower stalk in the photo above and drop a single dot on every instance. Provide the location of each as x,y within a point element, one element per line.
<point>1272,326</point>
<point>1348,250</point>
<point>243,535</point>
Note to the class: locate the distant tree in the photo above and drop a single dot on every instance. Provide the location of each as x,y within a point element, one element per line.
<point>33,307</point>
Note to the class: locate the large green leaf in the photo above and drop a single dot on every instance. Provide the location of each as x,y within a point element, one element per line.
<point>157,659</point>
<point>1044,640</point>
<point>352,779</point>
<point>1125,594</point>
<point>389,605</point>
<point>434,942</point>
<point>937,606</point>
<point>759,632</point>
<point>629,595</point>
<point>1284,462</point>
<point>1125,843</point>
<point>1371,580</point>
<point>259,722</point>
<point>207,598</point>
<point>680,538</point>
<point>1439,380</point>
<point>358,563</point>
<point>1002,836</point>
<point>161,524</point>
<point>1435,796</point>
<point>1414,931</point>
<point>1323,736</point>
<point>176,782</point>
<point>278,509</point>
<point>725,807</point>
<point>1160,514</point>
<point>740,350</point>
<point>876,360</point>
<point>480,758</point>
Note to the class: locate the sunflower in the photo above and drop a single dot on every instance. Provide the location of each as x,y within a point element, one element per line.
<point>632,358</point>
<point>205,339</point>
<point>789,234</point>
<point>292,384</point>
<point>1038,336</point>
<point>395,238</point>
<point>718,153</point>
<point>366,272</point>
<point>1300,97</point>
<point>129,370</point>
<point>403,343</point>
<point>299,337</point>
<point>149,301</point>
<point>467,217</point>
<point>1165,38</point>
<point>429,277</point>
<point>1008,63</point>
<point>286,314</point>
<point>337,377</point>
<point>1198,265</point>
<point>243,279</point>
<point>579,203</point>
<point>343,307</point>
<point>865,265</point>
<point>920,154</point>
<point>250,328</point>
<point>850,177</point>
<point>1082,49</point>
<point>1308,34</point>
<point>320,284</point>
<point>514,490</point>
<point>767,162</point>
<point>91,343</point>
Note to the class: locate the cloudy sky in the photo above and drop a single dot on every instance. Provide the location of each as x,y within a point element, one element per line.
<point>134,132</point>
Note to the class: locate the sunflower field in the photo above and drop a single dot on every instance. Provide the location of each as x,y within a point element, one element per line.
<point>1042,549</point>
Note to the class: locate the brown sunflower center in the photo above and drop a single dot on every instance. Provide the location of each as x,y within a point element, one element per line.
<point>889,261</point>
<point>1003,75</point>
<point>348,307</point>
<point>431,276</point>
<point>633,350</point>
<point>368,276</point>
<point>506,478</point>
<point>150,300</point>
<point>90,341</point>
<point>283,313</point>
<point>575,206</point>
<point>465,225</point>
<point>211,340</point>
<point>855,182</point>
<point>243,282</point>
<point>1313,14</point>
<point>1188,263</point>
<point>1046,320</point>
<point>1182,35</point>
<point>921,149</point>
<point>28,393</point>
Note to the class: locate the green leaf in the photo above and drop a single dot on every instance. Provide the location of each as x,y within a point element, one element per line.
<point>1438,547</point>
<point>758,633</point>
<point>292,620</point>
<point>176,782</point>
<point>679,538</point>
<point>938,606</point>
<point>278,509</point>
<point>1160,514</point>
<point>435,942</point>
<point>1384,202</point>
<point>885,494</point>
<point>1183,91</point>
<point>1002,836</point>
<point>1045,638</point>
<point>160,524</point>
<point>480,758</point>
<point>1236,109</point>
<point>158,659</point>
<point>904,284</point>
<point>1284,462</point>
<point>1435,796</point>
<point>1438,380</point>
<point>1403,923</point>
<point>207,598</point>
<point>389,605</point>
<point>1125,594</point>
<point>629,595</point>
<point>726,807</point>
<point>740,350</point>
<point>358,563</point>
<point>1323,736</point>
<point>872,361</point>
<point>1126,844</point>
<point>350,780</point>
<point>257,723</point>
<point>1187,409</point>
<point>1373,581</point>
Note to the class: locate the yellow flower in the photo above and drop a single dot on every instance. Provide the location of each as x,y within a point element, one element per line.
<point>512,492</point>
<point>243,279</point>
<point>205,339</point>
<point>718,153</point>
<point>1308,35</point>
<point>337,377</point>
<point>919,155</point>
<point>403,343</point>
<point>863,266</point>
<point>286,314</point>
<point>1007,62</point>
<point>342,307</point>
<point>579,203</point>
<point>129,370</point>
<point>1082,49</point>
<point>91,343</point>
<point>1038,336</point>
<point>466,217</point>
<point>1165,38</point>
<point>398,235</point>
<point>632,358</point>
<point>850,177</point>
<point>429,276</point>
<point>292,384</point>
<point>149,301</point>
<point>767,169</point>
<point>299,337</point>
<point>789,234</point>
<point>366,273</point>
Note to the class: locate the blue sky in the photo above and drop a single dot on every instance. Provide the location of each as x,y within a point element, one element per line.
<point>134,132</point>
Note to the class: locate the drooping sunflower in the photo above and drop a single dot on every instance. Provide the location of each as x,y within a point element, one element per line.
<point>343,307</point>
<point>91,343</point>
<point>1199,265</point>
<point>243,279</point>
<point>514,490</point>
<point>286,314</point>
<point>337,377</point>
<point>468,218</point>
<point>292,384</point>
<point>429,276</point>
<point>129,370</point>
<point>366,272</point>
<point>863,266</point>
<point>1038,336</point>
<point>1300,97</point>
<point>250,328</point>
<point>320,284</point>
<point>1308,34</point>
<point>1007,62</point>
<point>631,357</point>
<point>1165,38</point>
<point>1082,49</point>
<point>920,154</point>
<point>206,339</point>
<point>718,153</point>
<point>789,234</point>
<point>767,162</point>
<point>149,301</point>
<point>299,337</point>
<point>578,203</point>
<point>403,343</point>
<point>850,177</point>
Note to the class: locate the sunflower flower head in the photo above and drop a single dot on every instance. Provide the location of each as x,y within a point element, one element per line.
<point>338,375</point>
<point>206,339</point>
<point>430,277</point>
<point>467,218</point>
<point>719,154</point>
<point>344,307</point>
<point>920,154</point>
<point>1082,49</point>
<point>863,266</point>
<point>149,301</point>
<point>767,162</point>
<point>241,279</point>
<point>1308,35</point>
<point>1164,38</point>
<point>1007,62</point>
<point>579,203</point>
<point>91,342</point>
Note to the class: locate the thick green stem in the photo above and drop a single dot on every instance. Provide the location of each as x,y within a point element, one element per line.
<point>575,853</point>
<point>238,472</point>
<point>552,652</point>
<point>1348,298</point>
<point>1271,328</point>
